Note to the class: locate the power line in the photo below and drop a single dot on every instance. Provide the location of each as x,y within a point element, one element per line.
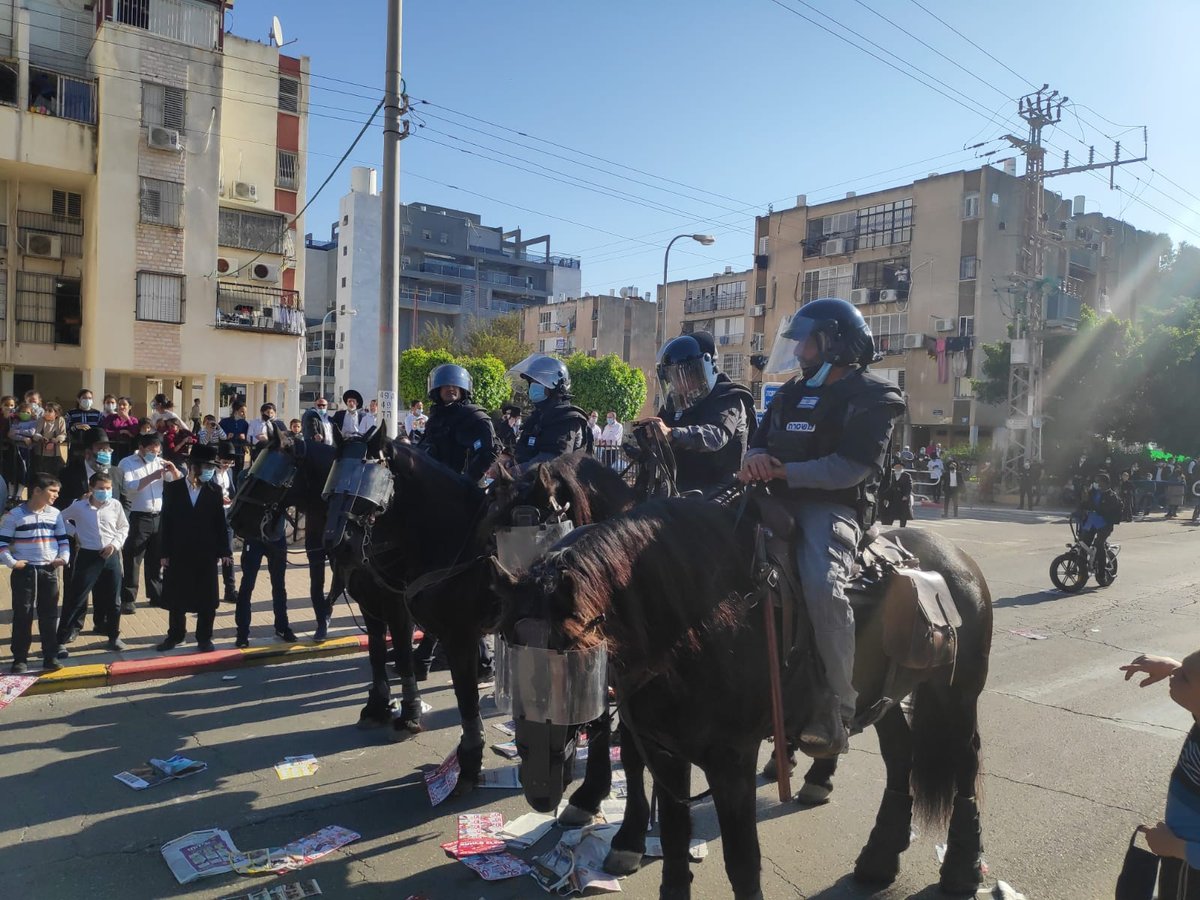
<point>999,62</point>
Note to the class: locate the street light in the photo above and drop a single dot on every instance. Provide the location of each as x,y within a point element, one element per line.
<point>324,321</point>
<point>705,239</point>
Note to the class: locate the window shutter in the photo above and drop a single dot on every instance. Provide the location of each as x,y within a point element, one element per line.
<point>174,102</point>
<point>289,95</point>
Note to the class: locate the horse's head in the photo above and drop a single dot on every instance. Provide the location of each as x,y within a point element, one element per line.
<point>259,500</point>
<point>552,661</point>
<point>359,488</point>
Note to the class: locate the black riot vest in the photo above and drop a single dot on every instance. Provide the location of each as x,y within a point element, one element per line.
<point>445,425</point>
<point>810,423</point>
<point>541,432</point>
<point>727,403</point>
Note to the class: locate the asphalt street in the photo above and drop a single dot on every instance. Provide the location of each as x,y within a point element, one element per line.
<point>1074,758</point>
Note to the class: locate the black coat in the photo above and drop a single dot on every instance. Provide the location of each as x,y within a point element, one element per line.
<point>74,480</point>
<point>554,429</point>
<point>193,538</point>
<point>460,436</point>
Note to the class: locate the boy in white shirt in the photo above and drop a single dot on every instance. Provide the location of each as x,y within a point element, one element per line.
<point>97,522</point>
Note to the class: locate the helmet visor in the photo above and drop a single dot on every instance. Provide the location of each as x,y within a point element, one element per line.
<point>684,383</point>
<point>799,345</point>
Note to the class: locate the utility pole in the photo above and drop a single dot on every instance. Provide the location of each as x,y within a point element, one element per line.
<point>1025,378</point>
<point>395,105</point>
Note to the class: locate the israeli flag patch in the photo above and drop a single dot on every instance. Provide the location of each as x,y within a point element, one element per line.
<point>801,426</point>
<point>532,441</point>
<point>807,402</point>
<point>477,445</point>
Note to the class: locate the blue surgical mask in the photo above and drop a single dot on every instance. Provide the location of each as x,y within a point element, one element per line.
<point>104,457</point>
<point>822,373</point>
<point>323,412</point>
<point>207,473</point>
<point>150,457</point>
<point>537,392</point>
<point>101,495</point>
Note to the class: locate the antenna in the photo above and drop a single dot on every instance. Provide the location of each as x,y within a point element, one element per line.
<point>276,31</point>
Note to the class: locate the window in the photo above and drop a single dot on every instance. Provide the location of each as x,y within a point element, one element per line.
<point>541,346</point>
<point>426,234</point>
<point>8,83</point>
<point>895,376</point>
<point>163,105</point>
<point>159,297</point>
<point>345,250</point>
<point>250,230</point>
<point>971,205</point>
<point>161,202</point>
<point>289,95</point>
<point>883,275</point>
<point>49,309</point>
<point>885,224</point>
<point>406,229</point>
<point>733,364</point>
<point>888,331</point>
<point>65,204</point>
<point>286,175</point>
<point>345,220</point>
<point>343,281</point>
<point>962,388</point>
<point>967,267</point>
<point>443,238</point>
<point>966,326</point>
<point>830,281</point>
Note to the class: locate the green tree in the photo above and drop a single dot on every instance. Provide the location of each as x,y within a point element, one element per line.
<point>488,377</point>
<point>436,336</point>
<point>491,387</point>
<point>415,365</point>
<point>992,385</point>
<point>607,383</point>
<point>499,337</point>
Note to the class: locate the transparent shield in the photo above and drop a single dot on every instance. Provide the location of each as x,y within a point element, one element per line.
<point>540,685</point>
<point>790,339</point>
<point>519,547</point>
<point>684,384</point>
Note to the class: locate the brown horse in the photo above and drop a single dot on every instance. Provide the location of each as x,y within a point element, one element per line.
<point>668,588</point>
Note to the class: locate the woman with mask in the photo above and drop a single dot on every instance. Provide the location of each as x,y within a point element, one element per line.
<point>120,425</point>
<point>194,539</point>
<point>82,418</point>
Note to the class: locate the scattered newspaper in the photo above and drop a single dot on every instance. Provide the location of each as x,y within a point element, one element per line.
<point>297,767</point>
<point>295,890</point>
<point>199,854</point>
<point>156,771</point>
<point>13,686</point>
<point>475,835</point>
<point>442,781</point>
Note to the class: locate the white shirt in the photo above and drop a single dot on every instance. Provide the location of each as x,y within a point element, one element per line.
<point>133,470</point>
<point>352,424</point>
<point>257,427</point>
<point>194,491</point>
<point>326,427</point>
<point>953,478</point>
<point>595,433</point>
<point>612,434</point>
<point>157,418</point>
<point>366,421</point>
<point>97,528</point>
<point>935,468</point>
<point>414,420</point>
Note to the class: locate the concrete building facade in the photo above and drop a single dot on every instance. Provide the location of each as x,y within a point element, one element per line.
<point>150,169</point>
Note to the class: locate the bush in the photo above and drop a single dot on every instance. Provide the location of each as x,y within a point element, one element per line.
<point>491,387</point>
<point>607,383</point>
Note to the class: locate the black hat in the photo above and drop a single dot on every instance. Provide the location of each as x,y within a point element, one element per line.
<point>203,453</point>
<point>224,450</point>
<point>94,437</point>
<point>353,395</point>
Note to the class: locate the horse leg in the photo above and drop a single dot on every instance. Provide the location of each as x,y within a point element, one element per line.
<point>733,791</point>
<point>818,782</point>
<point>879,861</point>
<point>962,868</point>
<point>675,818</point>
<point>629,843</point>
<point>463,655</point>
<point>400,624</point>
<point>597,778</point>
<point>378,711</point>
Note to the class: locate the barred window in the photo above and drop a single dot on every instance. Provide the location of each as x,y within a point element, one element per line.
<point>289,95</point>
<point>967,267</point>
<point>732,364</point>
<point>159,297</point>
<point>285,170</point>
<point>882,274</point>
<point>830,281</point>
<point>163,105</point>
<point>49,309</point>
<point>250,230</point>
<point>161,202</point>
<point>885,224</point>
<point>67,204</point>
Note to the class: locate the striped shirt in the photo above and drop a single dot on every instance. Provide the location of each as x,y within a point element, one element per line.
<point>38,538</point>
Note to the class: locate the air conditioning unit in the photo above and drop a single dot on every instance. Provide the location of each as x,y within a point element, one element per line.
<point>835,247</point>
<point>889,296</point>
<point>47,246</point>
<point>261,271</point>
<point>944,325</point>
<point>228,265</point>
<point>758,309</point>
<point>859,296</point>
<point>914,341</point>
<point>161,138</point>
<point>243,190</point>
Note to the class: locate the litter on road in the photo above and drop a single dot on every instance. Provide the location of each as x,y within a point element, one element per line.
<point>476,835</point>
<point>199,854</point>
<point>442,781</point>
<point>576,863</point>
<point>497,866</point>
<point>697,849</point>
<point>507,779</point>
<point>297,767</point>
<point>13,686</point>
<point>156,771</point>
<point>294,890</point>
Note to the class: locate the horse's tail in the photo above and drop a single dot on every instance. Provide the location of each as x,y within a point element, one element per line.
<point>944,747</point>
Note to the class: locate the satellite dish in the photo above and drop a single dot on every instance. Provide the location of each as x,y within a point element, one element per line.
<point>276,31</point>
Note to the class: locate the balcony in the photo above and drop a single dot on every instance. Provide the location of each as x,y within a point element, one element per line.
<point>565,262</point>
<point>503,279</point>
<point>191,22</point>
<point>889,344</point>
<point>264,309</point>
<point>730,339</point>
<point>61,96</point>
<point>65,231</point>
<point>425,299</point>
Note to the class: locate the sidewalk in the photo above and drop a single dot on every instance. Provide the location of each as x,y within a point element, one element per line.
<point>90,665</point>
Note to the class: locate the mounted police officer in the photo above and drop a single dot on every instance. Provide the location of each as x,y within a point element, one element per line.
<point>823,444</point>
<point>706,418</point>
<point>458,434</point>
<point>556,426</point>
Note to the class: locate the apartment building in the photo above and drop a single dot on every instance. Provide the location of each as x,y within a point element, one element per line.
<point>320,335</point>
<point>150,169</point>
<point>930,265</point>
<point>621,322</point>
<point>453,269</point>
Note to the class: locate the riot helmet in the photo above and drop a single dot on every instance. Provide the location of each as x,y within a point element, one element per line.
<point>543,377</point>
<point>823,333</point>
<point>687,370</point>
<point>449,375</point>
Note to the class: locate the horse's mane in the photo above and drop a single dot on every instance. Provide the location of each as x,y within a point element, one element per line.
<point>662,577</point>
<point>593,491</point>
<point>409,462</point>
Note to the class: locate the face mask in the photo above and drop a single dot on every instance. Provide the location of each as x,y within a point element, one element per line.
<point>103,495</point>
<point>610,420</point>
<point>150,456</point>
<point>323,412</point>
<point>537,392</point>
<point>24,417</point>
<point>1095,485</point>
<point>110,408</point>
<point>819,378</point>
<point>104,457</point>
<point>85,403</point>
<point>207,473</point>
<point>37,410</point>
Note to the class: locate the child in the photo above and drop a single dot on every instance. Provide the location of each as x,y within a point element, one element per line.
<point>211,432</point>
<point>21,434</point>
<point>33,543</point>
<point>1177,839</point>
<point>98,524</point>
<point>49,439</point>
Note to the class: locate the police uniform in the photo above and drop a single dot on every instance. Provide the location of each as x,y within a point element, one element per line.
<point>461,436</point>
<point>556,427</point>
<point>833,441</point>
<point>710,438</point>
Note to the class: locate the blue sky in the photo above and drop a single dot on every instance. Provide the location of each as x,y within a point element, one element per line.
<point>739,103</point>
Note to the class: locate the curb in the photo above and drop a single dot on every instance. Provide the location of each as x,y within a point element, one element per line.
<point>186,664</point>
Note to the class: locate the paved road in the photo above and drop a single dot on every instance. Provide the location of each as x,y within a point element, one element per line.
<point>1074,758</point>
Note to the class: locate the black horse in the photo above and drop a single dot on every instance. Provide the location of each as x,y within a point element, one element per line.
<point>668,588</point>
<point>294,473</point>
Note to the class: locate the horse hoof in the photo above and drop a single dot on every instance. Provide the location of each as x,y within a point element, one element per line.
<point>368,721</point>
<point>962,879</point>
<point>622,862</point>
<point>876,870</point>
<point>402,730</point>
<point>576,817</point>
<point>769,770</point>
<point>465,786</point>
<point>813,794</point>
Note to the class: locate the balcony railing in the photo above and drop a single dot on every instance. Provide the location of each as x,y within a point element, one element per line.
<point>566,262</point>
<point>889,344</point>
<point>501,278</point>
<point>443,268</point>
<point>251,308</point>
<point>725,339</point>
<point>69,230</point>
<point>191,22</point>
<point>431,298</point>
<point>61,96</point>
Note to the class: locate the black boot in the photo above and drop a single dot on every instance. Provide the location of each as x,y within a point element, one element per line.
<point>962,869</point>
<point>879,861</point>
